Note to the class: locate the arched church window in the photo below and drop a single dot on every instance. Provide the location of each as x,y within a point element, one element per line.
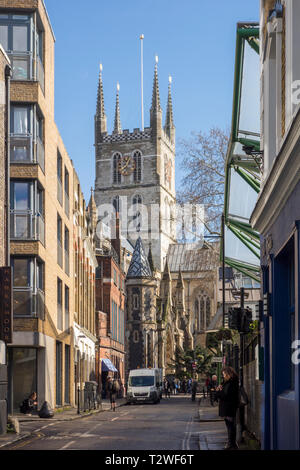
<point>207,312</point>
<point>202,314</point>
<point>196,316</point>
<point>137,174</point>
<point>116,173</point>
<point>137,217</point>
<point>167,215</point>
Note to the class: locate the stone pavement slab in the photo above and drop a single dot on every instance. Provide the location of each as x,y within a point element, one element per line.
<point>212,432</point>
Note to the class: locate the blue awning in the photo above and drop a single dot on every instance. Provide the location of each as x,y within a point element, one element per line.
<point>107,366</point>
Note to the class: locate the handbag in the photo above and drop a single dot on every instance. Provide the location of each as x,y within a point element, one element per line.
<point>243,397</point>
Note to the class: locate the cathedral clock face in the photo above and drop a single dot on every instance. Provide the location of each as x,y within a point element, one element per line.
<point>126,165</point>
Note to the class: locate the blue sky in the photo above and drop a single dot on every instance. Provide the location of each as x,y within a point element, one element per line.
<point>195,43</point>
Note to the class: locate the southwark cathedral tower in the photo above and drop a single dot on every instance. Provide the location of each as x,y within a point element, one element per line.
<point>135,174</point>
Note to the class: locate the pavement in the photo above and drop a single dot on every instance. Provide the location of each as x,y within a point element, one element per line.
<point>212,429</point>
<point>31,424</point>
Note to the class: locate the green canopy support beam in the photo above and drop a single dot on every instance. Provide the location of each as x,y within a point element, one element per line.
<point>244,228</point>
<point>244,240</point>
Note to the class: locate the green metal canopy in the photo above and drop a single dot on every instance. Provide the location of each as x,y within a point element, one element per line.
<point>242,171</point>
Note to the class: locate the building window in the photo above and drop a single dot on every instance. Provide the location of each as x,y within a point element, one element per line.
<point>116,174</point>
<point>137,174</point>
<point>59,179</point>
<point>136,301</point>
<point>67,248</point>
<point>58,373</point>
<point>28,287</point>
<point>27,211</point>
<point>26,135</point>
<point>67,374</point>
<point>137,215</point>
<point>66,187</point>
<point>59,241</point>
<point>59,305</point>
<point>202,312</point>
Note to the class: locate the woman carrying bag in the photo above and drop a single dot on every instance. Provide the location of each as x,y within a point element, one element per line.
<point>228,396</point>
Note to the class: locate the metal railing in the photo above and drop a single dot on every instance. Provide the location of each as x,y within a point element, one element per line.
<point>25,225</point>
<point>21,64</point>
<point>28,302</point>
<point>22,150</point>
<point>40,154</point>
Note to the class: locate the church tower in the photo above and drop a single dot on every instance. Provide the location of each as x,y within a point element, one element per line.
<point>135,174</point>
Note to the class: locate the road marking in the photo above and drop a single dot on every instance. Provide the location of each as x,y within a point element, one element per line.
<point>188,432</point>
<point>114,419</point>
<point>67,445</point>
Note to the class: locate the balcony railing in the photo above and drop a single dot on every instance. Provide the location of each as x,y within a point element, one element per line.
<point>25,225</point>
<point>22,67</point>
<point>40,154</point>
<point>21,64</point>
<point>28,302</point>
<point>23,150</point>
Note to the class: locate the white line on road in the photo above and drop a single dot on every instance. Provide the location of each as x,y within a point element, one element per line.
<point>67,445</point>
<point>114,419</point>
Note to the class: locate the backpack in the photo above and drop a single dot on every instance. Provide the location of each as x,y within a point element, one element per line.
<point>115,386</point>
<point>24,407</point>
<point>46,411</point>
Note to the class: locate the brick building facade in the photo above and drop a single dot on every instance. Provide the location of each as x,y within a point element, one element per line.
<point>41,356</point>
<point>110,316</point>
<point>4,202</point>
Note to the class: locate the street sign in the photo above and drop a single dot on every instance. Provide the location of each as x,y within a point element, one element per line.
<point>217,359</point>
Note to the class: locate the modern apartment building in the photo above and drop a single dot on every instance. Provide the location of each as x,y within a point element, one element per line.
<point>5,275</point>
<point>41,356</point>
<point>85,263</point>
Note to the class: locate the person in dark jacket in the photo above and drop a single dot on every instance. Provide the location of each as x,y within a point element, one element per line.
<point>228,396</point>
<point>29,405</point>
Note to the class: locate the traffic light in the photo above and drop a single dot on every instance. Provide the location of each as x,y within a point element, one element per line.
<point>240,319</point>
<point>235,318</point>
<point>246,320</point>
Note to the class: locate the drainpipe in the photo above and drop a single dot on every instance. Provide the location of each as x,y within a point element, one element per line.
<point>8,75</point>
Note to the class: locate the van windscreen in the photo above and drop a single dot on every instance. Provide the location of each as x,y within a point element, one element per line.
<point>141,381</point>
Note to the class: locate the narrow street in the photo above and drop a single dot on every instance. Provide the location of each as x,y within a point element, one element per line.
<point>173,424</point>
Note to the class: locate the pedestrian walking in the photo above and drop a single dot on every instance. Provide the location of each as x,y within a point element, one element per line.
<point>212,387</point>
<point>194,388</point>
<point>167,388</point>
<point>113,388</point>
<point>228,396</point>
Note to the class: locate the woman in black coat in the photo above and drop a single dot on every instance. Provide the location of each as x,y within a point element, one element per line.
<point>228,396</point>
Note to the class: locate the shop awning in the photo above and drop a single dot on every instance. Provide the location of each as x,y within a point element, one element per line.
<point>243,171</point>
<point>107,366</point>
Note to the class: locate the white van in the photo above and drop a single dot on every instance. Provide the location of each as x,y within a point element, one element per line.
<point>144,385</point>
